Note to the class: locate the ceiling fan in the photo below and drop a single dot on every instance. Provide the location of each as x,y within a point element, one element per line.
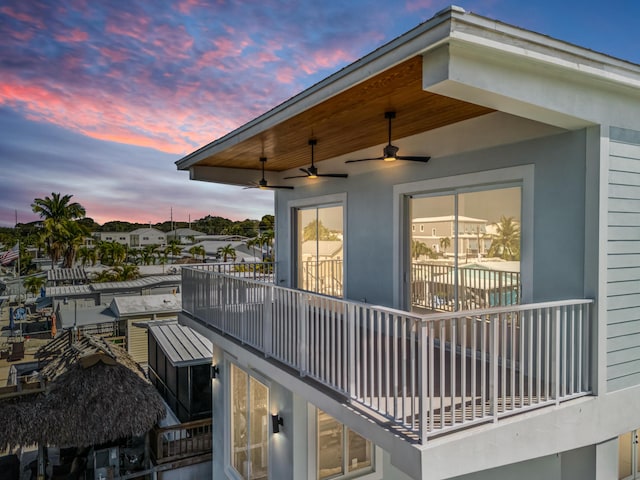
<point>390,152</point>
<point>312,171</point>
<point>262,184</point>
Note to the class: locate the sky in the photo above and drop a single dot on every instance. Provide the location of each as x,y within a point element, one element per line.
<point>99,98</point>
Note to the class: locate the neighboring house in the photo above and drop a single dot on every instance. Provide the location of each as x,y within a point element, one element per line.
<point>138,238</point>
<point>180,369</point>
<point>118,237</point>
<point>126,319</point>
<point>137,312</point>
<point>471,233</point>
<point>211,248</point>
<point>184,236</point>
<point>143,237</point>
<point>518,126</point>
<point>103,293</point>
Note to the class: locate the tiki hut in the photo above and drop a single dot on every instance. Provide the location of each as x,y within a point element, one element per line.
<point>93,393</point>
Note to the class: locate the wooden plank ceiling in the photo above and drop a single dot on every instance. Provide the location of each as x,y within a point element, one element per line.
<point>350,121</point>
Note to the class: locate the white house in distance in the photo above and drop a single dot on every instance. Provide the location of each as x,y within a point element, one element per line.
<point>528,377</point>
<point>140,237</point>
<point>433,230</point>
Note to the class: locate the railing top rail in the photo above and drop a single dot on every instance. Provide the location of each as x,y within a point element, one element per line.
<point>205,266</point>
<point>507,309</point>
<point>184,426</point>
<point>425,317</point>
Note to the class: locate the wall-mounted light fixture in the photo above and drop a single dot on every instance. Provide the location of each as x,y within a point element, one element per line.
<point>215,371</point>
<point>276,423</point>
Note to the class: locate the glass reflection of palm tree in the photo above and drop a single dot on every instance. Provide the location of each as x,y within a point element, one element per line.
<point>506,243</point>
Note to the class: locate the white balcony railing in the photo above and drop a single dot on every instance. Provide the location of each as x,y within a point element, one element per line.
<point>425,375</point>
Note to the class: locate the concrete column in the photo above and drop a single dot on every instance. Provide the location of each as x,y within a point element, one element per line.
<point>607,460</point>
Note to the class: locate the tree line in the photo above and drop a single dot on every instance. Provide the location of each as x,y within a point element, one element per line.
<point>63,227</point>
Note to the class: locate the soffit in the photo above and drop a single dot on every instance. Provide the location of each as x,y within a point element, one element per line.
<point>349,121</point>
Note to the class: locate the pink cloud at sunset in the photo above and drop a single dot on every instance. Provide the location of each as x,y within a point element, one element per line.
<point>101,98</point>
<point>75,35</point>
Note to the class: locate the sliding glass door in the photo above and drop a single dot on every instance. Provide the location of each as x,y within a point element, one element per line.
<point>465,249</point>
<point>320,249</point>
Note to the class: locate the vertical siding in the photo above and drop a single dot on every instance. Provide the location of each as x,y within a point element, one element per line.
<point>623,261</point>
<point>137,343</point>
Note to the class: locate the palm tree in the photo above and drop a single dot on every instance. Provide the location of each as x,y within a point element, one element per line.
<point>61,236</point>
<point>198,250</point>
<point>105,252</point>
<point>227,251</point>
<point>112,253</point>
<point>419,248</point>
<point>72,236</point>
<point>84,255</point>
<point>119,253</point>
<point>267,240</point>
<point>126,272</point>
<point>445,242</point>
<point>33,284</point>
<point>148,254</point>
<point>51,237</point>
<point>134,256</point>
<point>506,242</point>
<point>253,243</point>
<point>173,248</point>
<point>104,276</point>
<point>58,208</point>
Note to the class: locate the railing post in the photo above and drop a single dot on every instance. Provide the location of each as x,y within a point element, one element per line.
<point>351,318</point>
<point>267,323</point>
<point>493,368</point>
<point>303,320</point>
<point>555,356</point>
<point>423,375</point>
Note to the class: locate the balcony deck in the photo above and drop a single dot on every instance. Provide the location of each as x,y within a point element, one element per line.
<point>420,375</point>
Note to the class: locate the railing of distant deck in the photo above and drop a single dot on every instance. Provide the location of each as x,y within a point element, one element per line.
<point>181,441</point>
<point>424,374</point>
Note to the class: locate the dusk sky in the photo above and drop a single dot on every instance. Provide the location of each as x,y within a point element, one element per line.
<point>98,99</point>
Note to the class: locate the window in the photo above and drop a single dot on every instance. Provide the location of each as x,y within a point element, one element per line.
<point>482,268</point>
<point>341,452</point>
<point>249,426</point>
<point>422,228</point>
<point>628,456</point>
<point>433,232</point>
<point>320,249</point>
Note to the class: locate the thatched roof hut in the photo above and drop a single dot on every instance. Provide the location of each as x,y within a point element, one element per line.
<point>95,393</point>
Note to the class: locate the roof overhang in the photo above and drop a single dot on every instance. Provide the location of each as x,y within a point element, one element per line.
<point>454,68</point>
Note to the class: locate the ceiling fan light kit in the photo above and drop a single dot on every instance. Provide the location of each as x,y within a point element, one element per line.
<point>312,171</point>
<point>390,152</point>
<point>262,184</point>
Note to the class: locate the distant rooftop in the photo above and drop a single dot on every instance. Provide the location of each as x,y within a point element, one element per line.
<point>182,345</point>
<point>146,304</point>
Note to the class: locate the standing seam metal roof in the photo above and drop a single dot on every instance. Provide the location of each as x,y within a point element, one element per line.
<point>181,345</point>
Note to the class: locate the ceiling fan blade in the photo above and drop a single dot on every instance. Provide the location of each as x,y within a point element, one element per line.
<point>296,176</point>
<point>364,159</point>
<point>333,175</point>
<point>279,187</point>
<point>413,158</point>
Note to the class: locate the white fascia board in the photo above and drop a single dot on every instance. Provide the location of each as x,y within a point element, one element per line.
<point>229,176</point>
<point>511,78</point>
